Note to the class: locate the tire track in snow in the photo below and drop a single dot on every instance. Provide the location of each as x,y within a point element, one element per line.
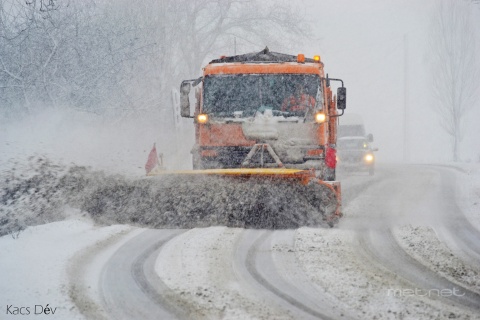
<point>83,273</point>
<point>253,261</point>
<point>381,245</point>
<point>453,230</point>
<point>405,196</point>
<point>199,267</point>
<point>301,286</point>
<point>130,288</point>
<point>424,245</point>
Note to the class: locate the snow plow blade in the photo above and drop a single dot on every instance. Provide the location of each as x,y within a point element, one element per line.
<point>272,198</point>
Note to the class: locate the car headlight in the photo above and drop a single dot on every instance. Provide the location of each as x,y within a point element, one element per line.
<point>368,157</point>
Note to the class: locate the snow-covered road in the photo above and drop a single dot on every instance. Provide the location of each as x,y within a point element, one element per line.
<point>408,247</point>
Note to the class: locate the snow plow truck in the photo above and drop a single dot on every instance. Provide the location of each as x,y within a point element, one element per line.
<point>265,141</point>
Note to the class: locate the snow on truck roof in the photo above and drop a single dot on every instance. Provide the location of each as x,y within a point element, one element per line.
<point>264,56</point>
<point>263,62</point>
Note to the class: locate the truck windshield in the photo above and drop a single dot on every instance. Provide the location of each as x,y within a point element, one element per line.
<point>227,95</point>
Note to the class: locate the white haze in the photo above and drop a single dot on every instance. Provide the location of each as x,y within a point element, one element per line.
<point>363,43</point>
<point>359,42</point>
<point>118,146</point>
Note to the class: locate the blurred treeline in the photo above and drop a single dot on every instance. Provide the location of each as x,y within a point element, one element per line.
<point>122,57</point>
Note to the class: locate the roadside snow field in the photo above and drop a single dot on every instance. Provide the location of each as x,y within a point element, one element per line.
<point>33,268</point>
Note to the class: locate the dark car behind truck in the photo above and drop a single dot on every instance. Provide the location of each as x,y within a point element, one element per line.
<point>355,154</point>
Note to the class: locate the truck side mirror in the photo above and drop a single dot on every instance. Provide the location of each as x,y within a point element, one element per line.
<point>341,98</point>
<point>370,137</point>
<point>184,99</point>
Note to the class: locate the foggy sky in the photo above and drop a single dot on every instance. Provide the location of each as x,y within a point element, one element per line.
<point>364,43</point>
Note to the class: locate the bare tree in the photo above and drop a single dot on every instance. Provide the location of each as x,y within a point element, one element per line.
<point>63,54</point>
<point>173,39</point>
<point>455,67</point>
<point>122,55</point>
<point>209,26</point>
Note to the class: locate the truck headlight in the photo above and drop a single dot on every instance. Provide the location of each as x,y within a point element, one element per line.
<point>320,117</point>
<point>202,118</point>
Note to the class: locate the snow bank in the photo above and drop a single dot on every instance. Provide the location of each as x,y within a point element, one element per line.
<point>422,243</point>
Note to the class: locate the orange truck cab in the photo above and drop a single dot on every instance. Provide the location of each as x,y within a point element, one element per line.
<point>265,109</point>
